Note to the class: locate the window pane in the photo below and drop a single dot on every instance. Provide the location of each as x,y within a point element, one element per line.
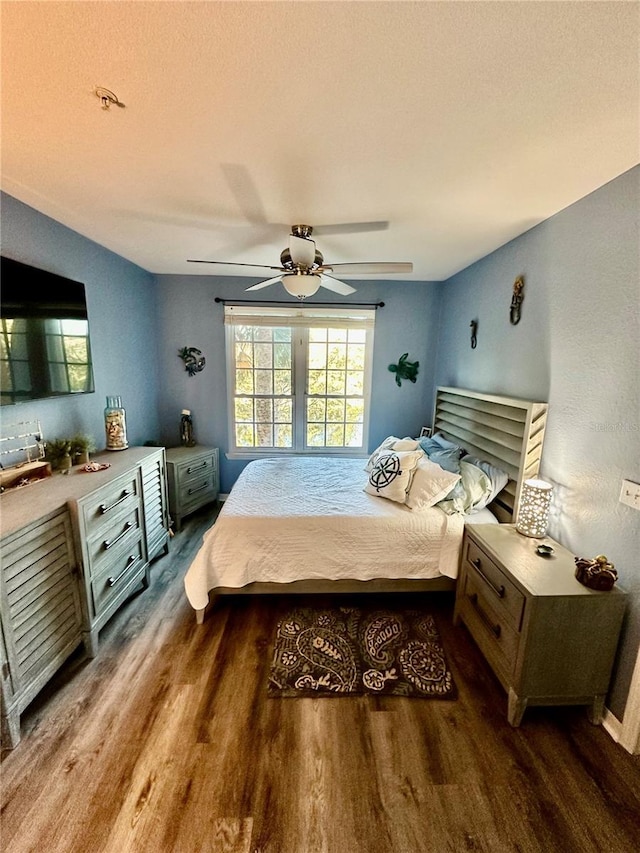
<point>315,435</point>
<point>262,333</point>
<point>264,435</point>
<point>335,410</point>
<point>317,382</point>
<point>282,382</point>
<point>317,334</point>
<point>282,355</point>
<point>355,411</point>
<point>337,356</point>
<point>355,382</point>
<point>337,334</point>
<point>283,435</point>
<point>316,409</point>
<point>335,382</point>
<point>263,354</point>
<point>244,435</point>
<point>335,435</point>
<point>317,356</point>
<point>244,409</point>
<point>244,382</point>
<point>264,382</point>
<point>283,411</point>
<point>353,435</point>
<point>264,411</point>
<point>355,356</point>
<point>244,354</point>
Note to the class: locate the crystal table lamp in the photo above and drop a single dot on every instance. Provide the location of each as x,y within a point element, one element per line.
<point>533,514</point>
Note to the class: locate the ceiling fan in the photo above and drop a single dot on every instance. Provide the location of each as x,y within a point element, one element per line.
<point>303,271</point>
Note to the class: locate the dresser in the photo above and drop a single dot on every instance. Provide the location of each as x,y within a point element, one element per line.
<point>193,478</point>
<point>74,547</point>
<point>549,639</point>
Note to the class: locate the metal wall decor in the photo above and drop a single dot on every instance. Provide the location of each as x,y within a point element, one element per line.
<point>404,369</point>
<point>474,333</point>
<point>193,359</point>
<point>516,301</point>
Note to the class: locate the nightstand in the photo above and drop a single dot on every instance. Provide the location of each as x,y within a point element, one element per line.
<point>194,479</point>
<point>549,639</point>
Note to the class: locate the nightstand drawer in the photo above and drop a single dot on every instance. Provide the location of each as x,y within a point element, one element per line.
<point>506,599</point>
<point>198,491</point>
<point>489,624</point>
<point>196,469</point>
<point>117,575</point>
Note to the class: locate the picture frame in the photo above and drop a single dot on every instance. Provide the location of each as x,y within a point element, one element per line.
<point>426,432</point>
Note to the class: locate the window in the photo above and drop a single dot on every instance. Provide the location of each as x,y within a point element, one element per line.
<point>298,379</point>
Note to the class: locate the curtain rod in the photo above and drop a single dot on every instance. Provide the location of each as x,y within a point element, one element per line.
<point>259,302</point>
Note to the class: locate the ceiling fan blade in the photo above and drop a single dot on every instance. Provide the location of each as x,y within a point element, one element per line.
<point>233,264</point>
<point>302,250</point>
<point>350,227</point>
<point>336,286</point>
<point>373,268</point>
<point>266,283</point>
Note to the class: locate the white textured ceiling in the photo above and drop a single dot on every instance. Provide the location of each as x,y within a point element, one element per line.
<point>462,124</point>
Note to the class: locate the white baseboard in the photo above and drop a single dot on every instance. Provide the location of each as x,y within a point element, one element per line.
<point>612,725</point>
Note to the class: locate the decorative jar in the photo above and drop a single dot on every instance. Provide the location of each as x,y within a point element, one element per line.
<point>115,424</point>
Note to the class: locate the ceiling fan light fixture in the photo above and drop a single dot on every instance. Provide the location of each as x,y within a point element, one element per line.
<point>301,285</point>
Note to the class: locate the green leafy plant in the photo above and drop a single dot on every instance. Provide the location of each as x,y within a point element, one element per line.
<point>56,450</point>
<point>81,443</point>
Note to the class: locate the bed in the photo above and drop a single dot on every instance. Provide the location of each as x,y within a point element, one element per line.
<point>306,524</point>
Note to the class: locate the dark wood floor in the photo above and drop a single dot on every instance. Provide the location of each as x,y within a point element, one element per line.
<point>167,742</point>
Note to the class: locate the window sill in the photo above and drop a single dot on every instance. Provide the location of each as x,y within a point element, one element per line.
<point>270,454</point>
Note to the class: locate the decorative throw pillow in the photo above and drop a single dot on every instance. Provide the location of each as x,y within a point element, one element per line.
<point>430,484</point>
<point>392,443</point>
<point>498,477</point>
<point>471,494</point>
<point>391,474</point>
<point>443,452</point>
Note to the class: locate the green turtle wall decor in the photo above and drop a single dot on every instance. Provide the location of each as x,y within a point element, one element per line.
<point>405,369</point>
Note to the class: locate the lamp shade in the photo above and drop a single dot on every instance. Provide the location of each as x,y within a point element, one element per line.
<point>301,285</point>
<point>533,513</point>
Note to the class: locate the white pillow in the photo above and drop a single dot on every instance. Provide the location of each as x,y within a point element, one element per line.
<point>430,484</point>
<point>471,493</point>
<point>392,473</point>
<point>392,443</point>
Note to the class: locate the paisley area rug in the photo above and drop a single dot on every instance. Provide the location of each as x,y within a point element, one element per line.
<point>337,651</point>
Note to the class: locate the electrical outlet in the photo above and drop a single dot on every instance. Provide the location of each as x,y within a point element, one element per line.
<point>630,494</point>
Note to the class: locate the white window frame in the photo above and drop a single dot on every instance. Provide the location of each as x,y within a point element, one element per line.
<point>300,319</point>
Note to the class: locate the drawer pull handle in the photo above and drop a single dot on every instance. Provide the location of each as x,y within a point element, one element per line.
<point>110,543</point>
<point>133,559</point>
<point>499,590</point>
<point>495,629</point>
<point>199,488</point>
<point>105,508</point>
<point>200,467</point>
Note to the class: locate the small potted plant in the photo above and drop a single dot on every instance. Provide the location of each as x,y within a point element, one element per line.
<point>81,446</point>
<point>58,453</point>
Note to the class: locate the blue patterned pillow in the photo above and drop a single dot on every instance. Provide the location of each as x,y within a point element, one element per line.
<point>443,452</point>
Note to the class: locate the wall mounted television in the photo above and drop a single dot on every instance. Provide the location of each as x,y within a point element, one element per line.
<point>44,349</point>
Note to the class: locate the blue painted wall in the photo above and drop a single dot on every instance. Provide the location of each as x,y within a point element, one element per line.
<point>577,348</point>
<point>189,316</point>
<point>121,301</point>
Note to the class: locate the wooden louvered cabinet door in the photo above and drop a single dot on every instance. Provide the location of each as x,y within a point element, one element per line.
<point>42,618</point>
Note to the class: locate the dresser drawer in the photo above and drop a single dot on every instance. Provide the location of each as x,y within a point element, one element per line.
<point>488,623</point>
<point>117,575</point>
<point>105,505</point>
<point>122,531</point>
<point>505,598</point>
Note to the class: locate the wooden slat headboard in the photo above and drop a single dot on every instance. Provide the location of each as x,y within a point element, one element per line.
<point>505,431</point>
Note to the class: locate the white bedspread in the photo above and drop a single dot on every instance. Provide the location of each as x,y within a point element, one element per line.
<point>302,518</point>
